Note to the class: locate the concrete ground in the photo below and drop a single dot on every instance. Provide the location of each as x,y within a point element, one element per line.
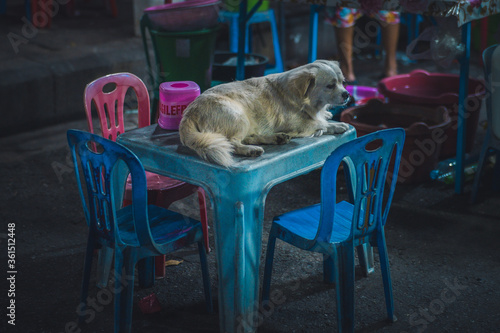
<point>443,251</point>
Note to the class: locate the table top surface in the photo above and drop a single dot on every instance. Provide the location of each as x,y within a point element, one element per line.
<point>464,10</point>
<point>161,151</point>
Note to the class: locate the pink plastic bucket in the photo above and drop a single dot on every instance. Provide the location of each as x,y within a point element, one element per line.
<point>174,98</point>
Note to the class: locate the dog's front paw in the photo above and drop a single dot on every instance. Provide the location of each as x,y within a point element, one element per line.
<point>337,128</point>
<point>327,115</point>
<point>282,138</point>
<point>318,132</point>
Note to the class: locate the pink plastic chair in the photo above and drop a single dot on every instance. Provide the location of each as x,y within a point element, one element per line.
<point>162,191</point>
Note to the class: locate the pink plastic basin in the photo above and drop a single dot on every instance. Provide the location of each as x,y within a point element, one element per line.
<point>435,89</point>
<point>184,16</point>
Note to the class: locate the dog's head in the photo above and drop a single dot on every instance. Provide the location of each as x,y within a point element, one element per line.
<point>320,84</point>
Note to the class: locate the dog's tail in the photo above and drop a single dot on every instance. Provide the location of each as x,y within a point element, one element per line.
<point>211,146</point>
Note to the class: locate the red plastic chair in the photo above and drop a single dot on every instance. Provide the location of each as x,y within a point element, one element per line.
<point>162,191</point>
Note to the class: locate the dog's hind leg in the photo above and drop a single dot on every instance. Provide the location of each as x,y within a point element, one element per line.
<point>273,139</point>
<point>246,150</point>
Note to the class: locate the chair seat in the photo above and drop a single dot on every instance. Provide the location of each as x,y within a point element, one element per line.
<point>158,182</point>
<point>158,185</point>
<point>167,227</point>
<point>302,224</point>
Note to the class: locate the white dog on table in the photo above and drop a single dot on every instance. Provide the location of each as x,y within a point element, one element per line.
<point>235,117</point>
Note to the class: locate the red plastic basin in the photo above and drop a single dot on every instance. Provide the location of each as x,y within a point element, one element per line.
<point>424,128</point>
<point>435,89</point>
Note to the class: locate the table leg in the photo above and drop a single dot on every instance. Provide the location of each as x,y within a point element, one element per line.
<point>462,119</point>
<point>238,230</point>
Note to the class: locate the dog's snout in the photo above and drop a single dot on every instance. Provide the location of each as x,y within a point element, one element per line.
<point>345,95</point>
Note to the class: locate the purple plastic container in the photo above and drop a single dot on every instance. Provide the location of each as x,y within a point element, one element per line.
<point>362,94</point>
<point>175,96</point>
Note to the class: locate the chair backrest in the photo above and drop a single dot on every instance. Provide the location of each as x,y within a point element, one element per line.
<point>105,165</point>
<point>491,61</point>
<point>368,160</point>
<point>110,104</point>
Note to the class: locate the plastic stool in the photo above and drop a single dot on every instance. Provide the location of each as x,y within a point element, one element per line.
<point>413,25</point>
<point>257,17</point>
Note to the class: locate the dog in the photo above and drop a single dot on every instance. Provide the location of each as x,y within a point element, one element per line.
<point>236,117</point>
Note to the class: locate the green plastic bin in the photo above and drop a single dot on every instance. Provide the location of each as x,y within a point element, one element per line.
<point>179,56</point>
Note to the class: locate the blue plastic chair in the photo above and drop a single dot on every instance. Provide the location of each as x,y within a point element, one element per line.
<point>134,232</point>
<point>335,229</point>
<point>491,143</point>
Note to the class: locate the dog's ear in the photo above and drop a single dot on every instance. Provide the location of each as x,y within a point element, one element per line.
<point>304,82</point>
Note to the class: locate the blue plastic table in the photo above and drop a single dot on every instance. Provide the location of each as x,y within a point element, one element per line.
<point>238,196</point>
